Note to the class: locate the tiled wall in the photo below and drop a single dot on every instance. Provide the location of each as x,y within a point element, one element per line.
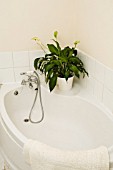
<point>99,83</point>
<point>13,63</point>
<point>100,80</point>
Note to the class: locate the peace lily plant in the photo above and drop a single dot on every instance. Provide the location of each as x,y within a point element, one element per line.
<point>59,62</point>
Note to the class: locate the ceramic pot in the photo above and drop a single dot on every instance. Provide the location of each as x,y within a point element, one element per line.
<point>64,85</point>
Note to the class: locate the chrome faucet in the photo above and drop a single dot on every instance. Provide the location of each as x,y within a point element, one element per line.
<point>31,79</point>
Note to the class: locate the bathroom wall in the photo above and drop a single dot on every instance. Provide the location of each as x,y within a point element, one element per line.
<point>21,20</point>
<point>15,62</point>
<point>99,84</point>
<point>94,28</point>
<point>84,20</point>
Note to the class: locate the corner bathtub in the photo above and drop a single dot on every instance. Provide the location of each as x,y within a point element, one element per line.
<point>73,121</point>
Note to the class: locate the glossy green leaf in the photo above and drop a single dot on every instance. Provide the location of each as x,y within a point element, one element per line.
<point>75,61</point>
<point>49,75</point>
<point>74,69</point>
<point>40,61</point>
<point>65,52</point>
<point>63,59</point>
<point>47,56</point>
<point>56,62</point>
<point>53,49</point>
<point>48,67</point>
<point>67,73</point>
<point>52,82</point>
<point>75,52</point>
<point>58,45</point>
<point>36,63</point>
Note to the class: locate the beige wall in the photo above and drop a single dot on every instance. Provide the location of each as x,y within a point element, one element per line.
<point>94,28</point>
<point>90,21</point>
<point>20,20</point>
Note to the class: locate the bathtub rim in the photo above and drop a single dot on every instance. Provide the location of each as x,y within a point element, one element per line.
<point>8,87</point>
<point>11,128</point>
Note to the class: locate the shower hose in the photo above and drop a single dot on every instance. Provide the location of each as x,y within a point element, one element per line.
<point>40,98</point>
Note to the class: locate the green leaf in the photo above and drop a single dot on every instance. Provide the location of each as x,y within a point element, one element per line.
<point>85,72</point>
<point>49,55</point>
<point>56,34</point>
<point>36,63</point>
<point>58,45</point>
<point>56,62</point>
<point>52,82</point>
<point>53,49</point>
<point>48,67</point>
<point>75,70</point>
<point>70,53</point>
<point>40,62</point>
<point>49,74</point>
<point>76,61</point>
<point>63,59</point>
<point>67,73</point>
<point>65,52</point>
<point>75,52</point>
<point>42,65</point>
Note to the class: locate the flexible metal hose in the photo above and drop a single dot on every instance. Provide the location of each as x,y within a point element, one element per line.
<point>40,98</point>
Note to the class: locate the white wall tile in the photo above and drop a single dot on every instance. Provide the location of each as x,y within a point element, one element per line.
<point>90,81</point>
<point>108,99</point>
<point>7,75</point>
<point>21,59</point>
<point>32,67</point>
<point>99,72</point>
<point>91,66</point>
<point>98,90</point>
<point>82,81</point>
<point>33,55</point>
<point>109,79</point>
<point>6,60</point>
<point>17,72</point>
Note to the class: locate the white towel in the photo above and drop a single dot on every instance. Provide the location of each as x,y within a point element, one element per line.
<point>43,157</point>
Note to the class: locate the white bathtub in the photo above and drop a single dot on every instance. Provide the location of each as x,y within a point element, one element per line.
<point>73,121</point>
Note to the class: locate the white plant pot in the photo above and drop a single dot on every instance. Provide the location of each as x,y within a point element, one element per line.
<point>64,85</point>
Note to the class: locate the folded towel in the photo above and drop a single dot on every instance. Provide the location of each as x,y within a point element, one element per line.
<point>43,157</point>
